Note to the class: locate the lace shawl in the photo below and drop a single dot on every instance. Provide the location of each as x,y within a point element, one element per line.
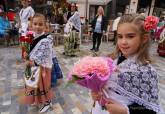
<point>43,52</point>
<point>138,83</point>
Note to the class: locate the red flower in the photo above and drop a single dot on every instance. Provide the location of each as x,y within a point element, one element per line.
<point>29,37</point>
<point>28,40</point>
<point>22,38</point>
<point>150,23</point>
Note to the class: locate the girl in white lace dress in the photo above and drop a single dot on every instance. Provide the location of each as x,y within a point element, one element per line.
<point>133,88</point>
<point>38,85</point>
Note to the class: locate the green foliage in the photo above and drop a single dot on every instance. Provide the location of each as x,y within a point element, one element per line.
<point>73,80</point>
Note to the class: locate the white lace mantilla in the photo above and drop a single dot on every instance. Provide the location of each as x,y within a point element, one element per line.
<point>136,83</point>
<point>43,52</point>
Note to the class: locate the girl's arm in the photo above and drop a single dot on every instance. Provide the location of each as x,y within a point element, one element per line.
<point>29,62</point>
<point>112,107</point>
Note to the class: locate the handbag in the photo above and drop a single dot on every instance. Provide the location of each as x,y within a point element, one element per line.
<point>56,72</point>
<point>33,80</point>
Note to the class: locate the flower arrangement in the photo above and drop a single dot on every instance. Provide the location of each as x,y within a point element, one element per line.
<point>24,40</point>
<point>92,73</point>
<point>25,43</point>
<point>150,23</point>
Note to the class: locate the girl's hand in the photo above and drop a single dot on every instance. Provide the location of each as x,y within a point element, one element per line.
<point>29,63</point>
<point>25,55</point>
<point>116,108</point>
<point>96,96</point>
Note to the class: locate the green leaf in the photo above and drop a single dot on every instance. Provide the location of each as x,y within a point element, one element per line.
<point>74,79</point>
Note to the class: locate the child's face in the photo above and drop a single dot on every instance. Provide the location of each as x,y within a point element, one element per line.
<point>38,25</point>
<point>24,3</point>
<point>128,39</point>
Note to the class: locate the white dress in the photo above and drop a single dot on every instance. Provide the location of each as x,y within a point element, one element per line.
<point>24,15</point>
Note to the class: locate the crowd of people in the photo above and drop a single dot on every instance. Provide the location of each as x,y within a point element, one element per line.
<point>135,88</point>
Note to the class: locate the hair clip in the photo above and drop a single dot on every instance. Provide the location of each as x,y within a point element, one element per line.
<point>150,23</point>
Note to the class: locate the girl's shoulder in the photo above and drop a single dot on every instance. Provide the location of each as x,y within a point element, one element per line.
<point>29,8</point>
<point>131,65</point>
<point>146,68</point>
<point>47,38</point>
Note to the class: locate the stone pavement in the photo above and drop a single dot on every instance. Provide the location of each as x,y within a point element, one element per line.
<point>71,100</point>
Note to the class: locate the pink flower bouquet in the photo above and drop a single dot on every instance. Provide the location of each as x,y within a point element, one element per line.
<point>92,72</point>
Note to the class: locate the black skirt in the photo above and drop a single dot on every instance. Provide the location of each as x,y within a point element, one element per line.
<point>138,109</point>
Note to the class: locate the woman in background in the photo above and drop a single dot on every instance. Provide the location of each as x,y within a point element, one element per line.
<point>98,26</point>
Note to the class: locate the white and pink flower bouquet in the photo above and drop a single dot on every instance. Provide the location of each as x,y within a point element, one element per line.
<point>92,73</point>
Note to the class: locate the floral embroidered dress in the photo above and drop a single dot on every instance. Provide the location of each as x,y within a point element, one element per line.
<point>38,86</point>
<point>134,83</point>
<point>72,40</point>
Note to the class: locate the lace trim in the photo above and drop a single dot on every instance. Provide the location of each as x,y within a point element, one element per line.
<point>132,97</point>
<point>44,59</point>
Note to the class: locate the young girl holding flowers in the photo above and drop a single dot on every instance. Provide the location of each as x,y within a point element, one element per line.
<point>133,88</point>
<point>38,84</point>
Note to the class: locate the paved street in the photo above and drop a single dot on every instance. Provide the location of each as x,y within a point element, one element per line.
<point>71,100</point>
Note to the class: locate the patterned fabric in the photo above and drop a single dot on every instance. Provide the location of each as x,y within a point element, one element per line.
<point>41,94</point>
<point>137,83</point>
<point>71,44</point>
<point>42,54</point>
<point>76,21</point>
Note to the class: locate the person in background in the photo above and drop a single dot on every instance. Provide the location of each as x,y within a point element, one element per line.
<point>11,15</point>
<point>60,17</point>
<point>159,29</point>
<point>4,27</point>
<point>115,24</point>
<point>72,29</point>
<point>73,9</point>
<point>25,14</point>
<point>99,25</point>
<point>161,44</point>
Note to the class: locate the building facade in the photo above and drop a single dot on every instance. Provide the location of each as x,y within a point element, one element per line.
<point>88,8</point>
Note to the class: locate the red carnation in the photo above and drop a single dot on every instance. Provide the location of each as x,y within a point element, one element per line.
<point>150,23</point>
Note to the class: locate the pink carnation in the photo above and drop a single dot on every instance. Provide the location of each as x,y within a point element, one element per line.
<point>92,73</point>
<point>89,65</point>
<point>30,33</point>
<point>150,23</point>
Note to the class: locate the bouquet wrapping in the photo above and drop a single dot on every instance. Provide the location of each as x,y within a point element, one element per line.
<point>92,73</point>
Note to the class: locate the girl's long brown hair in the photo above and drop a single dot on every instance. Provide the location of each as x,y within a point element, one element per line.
<point>143,51</point>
